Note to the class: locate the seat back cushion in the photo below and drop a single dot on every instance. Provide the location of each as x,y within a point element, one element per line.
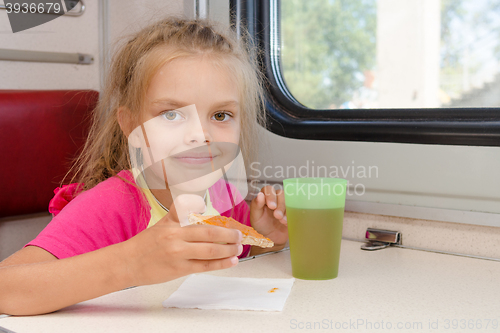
<point>41,132</point>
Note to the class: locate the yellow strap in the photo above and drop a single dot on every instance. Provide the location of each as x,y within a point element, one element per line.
<point>157,211</point>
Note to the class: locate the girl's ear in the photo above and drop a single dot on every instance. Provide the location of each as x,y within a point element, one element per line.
<point>123,115</point>
<point>126,124</point>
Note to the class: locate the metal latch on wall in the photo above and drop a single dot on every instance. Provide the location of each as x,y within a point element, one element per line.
<point>377,239</point>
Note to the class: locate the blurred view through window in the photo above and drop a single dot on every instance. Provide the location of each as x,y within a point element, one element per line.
<point>341,54</point>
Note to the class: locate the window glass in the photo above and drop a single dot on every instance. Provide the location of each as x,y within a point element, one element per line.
<point>345,54</point>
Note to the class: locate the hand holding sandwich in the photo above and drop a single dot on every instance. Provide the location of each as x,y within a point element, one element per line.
<point>167,251</point>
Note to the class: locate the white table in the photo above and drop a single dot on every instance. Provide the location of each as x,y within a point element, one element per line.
<point>393,289</point>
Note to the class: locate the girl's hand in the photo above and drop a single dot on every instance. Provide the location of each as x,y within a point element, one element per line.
<point>167,251</point>
<point>268,215</point>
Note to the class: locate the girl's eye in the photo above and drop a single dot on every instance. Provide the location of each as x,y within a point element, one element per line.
<point>171,115</point>
<point>221,116</point>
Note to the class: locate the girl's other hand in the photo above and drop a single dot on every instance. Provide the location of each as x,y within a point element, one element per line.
<point>268,215</point>
<point>167,251</point>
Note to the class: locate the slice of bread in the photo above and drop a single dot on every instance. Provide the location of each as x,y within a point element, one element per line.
<point>250,236</point>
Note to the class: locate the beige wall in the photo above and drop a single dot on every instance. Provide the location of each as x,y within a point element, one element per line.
<point>460,178</point>
<point>93,33</point>
<point>128,16</point>
<point>64,34</point>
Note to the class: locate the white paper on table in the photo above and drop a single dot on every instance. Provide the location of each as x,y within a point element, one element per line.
<point>203,291</point>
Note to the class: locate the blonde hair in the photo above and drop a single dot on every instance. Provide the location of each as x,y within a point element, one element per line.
<point>133,67</point>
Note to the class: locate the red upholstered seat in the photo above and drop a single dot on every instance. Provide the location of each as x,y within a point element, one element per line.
<point>40,133</point>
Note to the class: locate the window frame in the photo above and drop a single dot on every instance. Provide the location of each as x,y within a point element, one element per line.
<point>478,126</point>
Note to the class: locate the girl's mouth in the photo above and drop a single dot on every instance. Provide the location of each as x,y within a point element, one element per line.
<point>195,159</point>
<point>207,156</point>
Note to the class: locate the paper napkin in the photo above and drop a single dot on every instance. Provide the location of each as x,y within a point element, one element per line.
<point>203,291</point>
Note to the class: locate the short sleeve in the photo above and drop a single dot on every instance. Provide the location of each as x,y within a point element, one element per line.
<point>110,213</point>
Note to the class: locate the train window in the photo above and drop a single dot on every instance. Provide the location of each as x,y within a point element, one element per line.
<point>391,54</point>
<point>329,53</point>
<point>380,70</point>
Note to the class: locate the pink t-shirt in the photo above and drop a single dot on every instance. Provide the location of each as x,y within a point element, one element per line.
<point>110,213</point>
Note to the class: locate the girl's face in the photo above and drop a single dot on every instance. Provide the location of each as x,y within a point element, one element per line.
<point>190,124</point>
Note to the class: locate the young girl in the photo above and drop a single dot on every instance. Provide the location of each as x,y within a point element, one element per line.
<point>116,233</point>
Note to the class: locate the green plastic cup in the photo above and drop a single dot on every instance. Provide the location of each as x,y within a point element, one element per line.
<point>315,213</point>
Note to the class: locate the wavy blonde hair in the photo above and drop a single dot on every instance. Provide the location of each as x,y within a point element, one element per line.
<point>132,69</point>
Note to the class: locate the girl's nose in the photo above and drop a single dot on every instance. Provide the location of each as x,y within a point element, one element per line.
<point>204,141</point>
<point>208,137</point>
<point>199,134</point>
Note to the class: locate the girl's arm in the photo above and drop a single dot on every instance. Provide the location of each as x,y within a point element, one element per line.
<point>34,282</point>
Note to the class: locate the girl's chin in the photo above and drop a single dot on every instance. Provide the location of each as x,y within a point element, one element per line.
<point>199,184</point>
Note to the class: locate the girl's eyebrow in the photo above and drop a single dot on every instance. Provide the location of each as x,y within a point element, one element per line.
<point>172,102</point>
<point>230,103</point>
<point>168,101</point>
